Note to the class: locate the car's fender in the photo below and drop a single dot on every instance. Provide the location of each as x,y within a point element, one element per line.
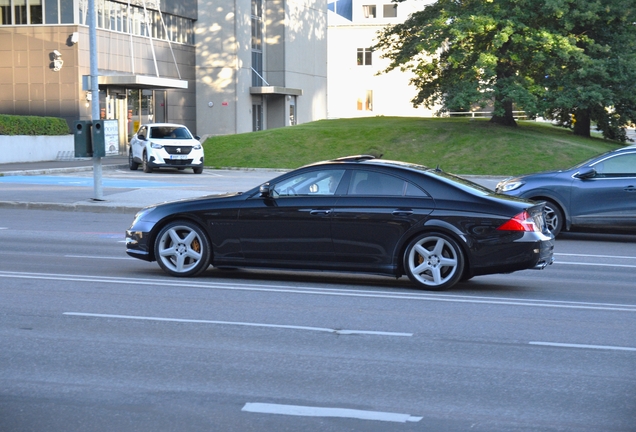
<point>430,225</point>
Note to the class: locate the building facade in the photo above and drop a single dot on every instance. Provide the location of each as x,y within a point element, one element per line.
<point>145,56</point>
<point>261,64</point>
<point>356,86</point>
<point>218,67</point>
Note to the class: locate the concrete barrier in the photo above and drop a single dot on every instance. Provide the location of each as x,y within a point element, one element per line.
<point>24,148</point>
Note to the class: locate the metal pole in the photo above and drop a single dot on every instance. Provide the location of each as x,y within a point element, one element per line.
<point>92,41</point>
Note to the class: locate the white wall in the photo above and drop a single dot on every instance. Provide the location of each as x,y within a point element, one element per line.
<point>34,148</point>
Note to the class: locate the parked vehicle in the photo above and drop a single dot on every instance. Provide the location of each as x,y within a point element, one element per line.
<point>596,195</point>
<point>354,214</point>
<point>165,145</point>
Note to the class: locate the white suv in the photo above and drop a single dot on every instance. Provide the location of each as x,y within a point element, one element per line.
<point>165,145</point>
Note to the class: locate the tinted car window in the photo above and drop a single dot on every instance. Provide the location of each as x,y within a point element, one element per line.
<point>323,182</point>
<point>169,132</point>
<point>374,183</point>
<point>618,166</point>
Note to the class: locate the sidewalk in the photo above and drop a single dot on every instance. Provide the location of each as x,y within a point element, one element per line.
<point>61,166</point>
<point>39,186</point>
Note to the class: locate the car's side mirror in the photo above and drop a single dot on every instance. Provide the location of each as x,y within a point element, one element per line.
<point>142,137</point>
<point>197,137</point>
<point>265,190</point>
<point>586,173</point>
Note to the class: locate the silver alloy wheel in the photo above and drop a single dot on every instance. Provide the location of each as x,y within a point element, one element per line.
<point>434,261</point>
<point>553,218</point>
<point>182,249</point>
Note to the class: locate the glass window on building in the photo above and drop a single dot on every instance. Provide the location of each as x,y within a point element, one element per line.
<point>365,101</point>
<point>390,11</point>
<point>51,11</point>
<point>19,12</point>
<point>35,11</point>
<point>257,117</point>
<point>5,12</point>
<point>364,56</point>
<point>257,43</point>
<point>369,11</point>
<point>67,15</point>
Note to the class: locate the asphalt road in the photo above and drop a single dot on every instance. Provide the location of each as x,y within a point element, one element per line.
<point>93,340</point>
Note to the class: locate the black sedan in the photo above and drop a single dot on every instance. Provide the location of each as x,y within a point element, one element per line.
<point>354,214</point>
<point>596,195</point>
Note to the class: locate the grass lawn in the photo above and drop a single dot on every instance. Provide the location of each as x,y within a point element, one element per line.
<point>458,145</point>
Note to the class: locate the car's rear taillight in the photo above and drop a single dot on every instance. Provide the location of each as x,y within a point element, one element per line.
<point>521,222</point>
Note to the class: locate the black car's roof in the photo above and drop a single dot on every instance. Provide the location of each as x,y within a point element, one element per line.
<point>373,160</point>
<point>439,174</point>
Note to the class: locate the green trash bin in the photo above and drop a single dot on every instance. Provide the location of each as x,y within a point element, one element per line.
<point>98,137</point>
<point>83,139</point>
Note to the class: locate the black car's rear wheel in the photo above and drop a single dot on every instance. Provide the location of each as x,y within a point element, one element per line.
<point>553,218</point>
<point>182,249</point>
<point>434,261</point>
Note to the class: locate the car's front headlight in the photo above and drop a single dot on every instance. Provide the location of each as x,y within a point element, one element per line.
<point>197,147</point>
<point>155,145</point>
<point>509,185</point>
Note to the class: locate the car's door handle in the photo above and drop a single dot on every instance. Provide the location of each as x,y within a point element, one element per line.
<point>321,212</point>
<point>402,212</point>
<point>630,189</point>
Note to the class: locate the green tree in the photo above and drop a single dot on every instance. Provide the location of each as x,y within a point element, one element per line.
<point>546,57</point>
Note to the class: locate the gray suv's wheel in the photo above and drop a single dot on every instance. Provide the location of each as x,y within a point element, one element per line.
<point>553,218</point>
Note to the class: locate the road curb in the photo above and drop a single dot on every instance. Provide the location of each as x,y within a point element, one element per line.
<point>90,207</point>
<point>58,170</point>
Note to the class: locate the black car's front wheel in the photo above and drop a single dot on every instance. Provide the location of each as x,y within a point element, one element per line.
<point>182,249</point>
<point>434,261</point>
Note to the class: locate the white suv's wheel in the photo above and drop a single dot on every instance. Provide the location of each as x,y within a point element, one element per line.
<point>131,162</point>
<point>146,166</point>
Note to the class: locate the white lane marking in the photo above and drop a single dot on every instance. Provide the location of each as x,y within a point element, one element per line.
<point>596,256</point>
<point>172,283</point>
<point>583,346</point>
<point>245,324</point>
<point>596,264</point>
<point>97,257</point>
<point>308,411</point>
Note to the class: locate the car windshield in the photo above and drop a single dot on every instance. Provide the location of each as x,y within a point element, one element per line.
<point>169,132</point>
<point>590,160</point>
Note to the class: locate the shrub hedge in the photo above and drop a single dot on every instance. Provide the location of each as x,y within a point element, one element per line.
<point>32,125</point>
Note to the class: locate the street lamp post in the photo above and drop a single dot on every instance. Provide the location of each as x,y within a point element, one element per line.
<point>94,83</point>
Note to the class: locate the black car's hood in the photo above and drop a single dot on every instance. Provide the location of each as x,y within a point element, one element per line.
<point>229,196</point>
